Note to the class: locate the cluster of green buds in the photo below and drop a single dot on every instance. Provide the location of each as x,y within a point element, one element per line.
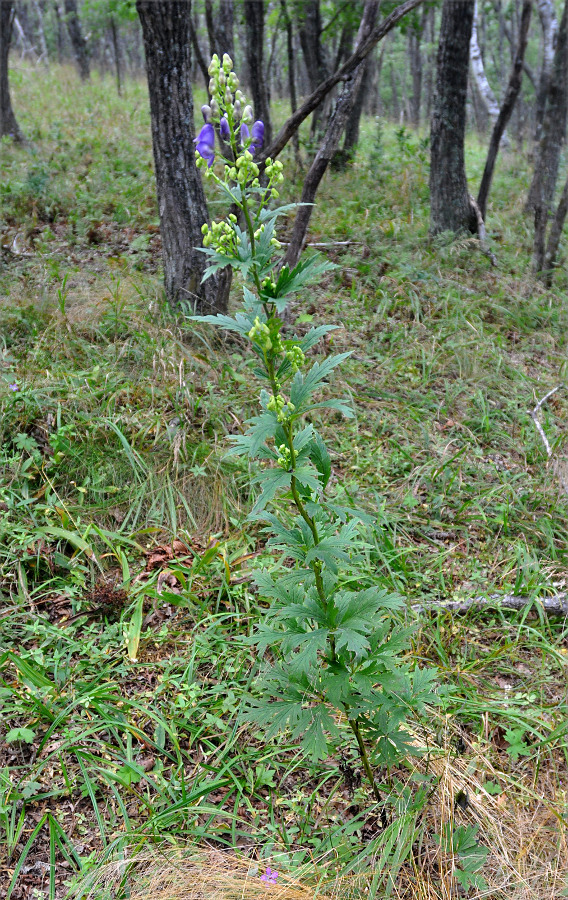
<point>260,334</point>
<point>274,174</point>
<point>285,458</point>
<point>296,356</point>
<point>223,86</point>
<point>281,407</point>
<point>220,235</point>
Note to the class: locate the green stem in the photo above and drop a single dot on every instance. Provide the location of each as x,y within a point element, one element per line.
<point>355,728</point>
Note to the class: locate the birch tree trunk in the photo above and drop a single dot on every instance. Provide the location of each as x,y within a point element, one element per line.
<point>8,124</point>
<point>478,70</point>
<point>181,199</point>
<point>450,206</point>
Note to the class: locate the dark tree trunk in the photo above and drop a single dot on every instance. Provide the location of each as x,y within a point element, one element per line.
<point>513,90</point>
<point>78,41</point>
<point>354,118</point>
<point>316,97</point>
<point>203,65</point>
<point>291,70</point>
<point>116,54</point>
<point>59,31</point>
<point>331,140</point>
<point>549,23</point>
<point>181,199</point>
<point>8,124</point>
<point>554,236</point>
<point>543,184</point>
<point>450,206</point>
<point>415,53</point>
<point>225,28</point>
<point>254,21</point>
<point>308,19</point>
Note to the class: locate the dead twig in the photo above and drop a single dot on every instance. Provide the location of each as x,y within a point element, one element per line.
<point>534,416</point>
<point>481,232</point>
<point>557,605</point>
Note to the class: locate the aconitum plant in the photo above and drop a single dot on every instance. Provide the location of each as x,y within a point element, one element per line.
<point>337,674</point>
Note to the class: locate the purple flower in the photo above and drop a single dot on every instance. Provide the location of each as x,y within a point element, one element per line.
<point>257,136</point>
<point>245,134</point>
<point>270,876</point>
<point>205,144</point>
<point>224,129</point>
<point>13,387</point>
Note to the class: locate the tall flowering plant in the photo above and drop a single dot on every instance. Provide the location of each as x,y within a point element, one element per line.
<point>336,647</point>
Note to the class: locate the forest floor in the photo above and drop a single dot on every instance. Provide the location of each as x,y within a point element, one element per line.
<point>127,563</point>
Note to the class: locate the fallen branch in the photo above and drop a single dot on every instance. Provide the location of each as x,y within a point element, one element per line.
<point>534,416</point>
<point>557,605</point>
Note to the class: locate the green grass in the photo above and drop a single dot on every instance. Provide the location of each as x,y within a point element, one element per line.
<point>123,725</point>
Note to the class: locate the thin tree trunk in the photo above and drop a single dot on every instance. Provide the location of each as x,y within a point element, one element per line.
<point>59,31</point>
<point>181,199</point>
<point>330,141</point>
<point>44,56</point>
<point>254,21</point>
<point>291,71</point>
<point>198,54</point>
<point>556,229</point>
<point>308,19</point>
<point>541,192</point>
<point>354,118</point>
<point>78,41</point>
<point>415,56</point>
<point>513,90</point>
<point>549,24</point>
<point>478,69</point>
<point>450,206</point>
<point>8,124</point>
<point>116,54</point>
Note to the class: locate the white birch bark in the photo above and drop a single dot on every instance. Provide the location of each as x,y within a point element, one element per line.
<point>478,69</point>
<point>549,23</point>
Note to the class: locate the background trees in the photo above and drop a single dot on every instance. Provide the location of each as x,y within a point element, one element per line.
<point>445,69</point>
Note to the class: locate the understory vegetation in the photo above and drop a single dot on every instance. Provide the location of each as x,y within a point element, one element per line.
<point>128,564</point>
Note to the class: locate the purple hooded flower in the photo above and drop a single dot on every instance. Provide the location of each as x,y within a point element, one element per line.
<point>13,387</point>
<point>205,144</point>
<point>224,129</point>
<point>271,876</point>
<point>245,134</point>
<point>257,136</point>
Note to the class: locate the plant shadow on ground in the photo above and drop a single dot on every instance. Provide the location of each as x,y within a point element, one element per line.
<point>126,564</point>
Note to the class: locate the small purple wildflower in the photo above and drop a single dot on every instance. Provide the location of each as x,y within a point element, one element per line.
<point>205,144</point>
<point>245,134</point>
<point>224,129</point>
<point>270,876</point>
<point>257,136</point>
<point>13,387</point>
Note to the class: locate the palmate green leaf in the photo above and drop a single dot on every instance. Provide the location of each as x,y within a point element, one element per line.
<point>302,647</point>
<point>334,549</point>
<point>289,282</point>
<point>304,386</point>
<point>260,429</point>
<point>241,324</point>
<point>271,481</point>
<point>318,454</point>
<point>307,477</point>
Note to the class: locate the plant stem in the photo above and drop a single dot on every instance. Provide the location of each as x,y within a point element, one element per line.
<point>354,725</point>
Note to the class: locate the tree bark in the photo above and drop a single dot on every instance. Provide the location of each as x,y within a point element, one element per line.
<point>450,207</point>
<point>543,184</point>
<point>415,33</point>
<point>557,605</point>
<point>78,41</point>
<point>8,124</point>
<point>330,141</point>
<point>291,71</point>
<point>310,103</point>
<point>44,56</point>
<point>116,54</point>
<point>181,199</point>
<point>354,118</point>
<point>556,229</point>
<point>513,90</point>
<point>254,21</point>
<point>483,87</point>
<point>198,54</point>
<point>549,24</point>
